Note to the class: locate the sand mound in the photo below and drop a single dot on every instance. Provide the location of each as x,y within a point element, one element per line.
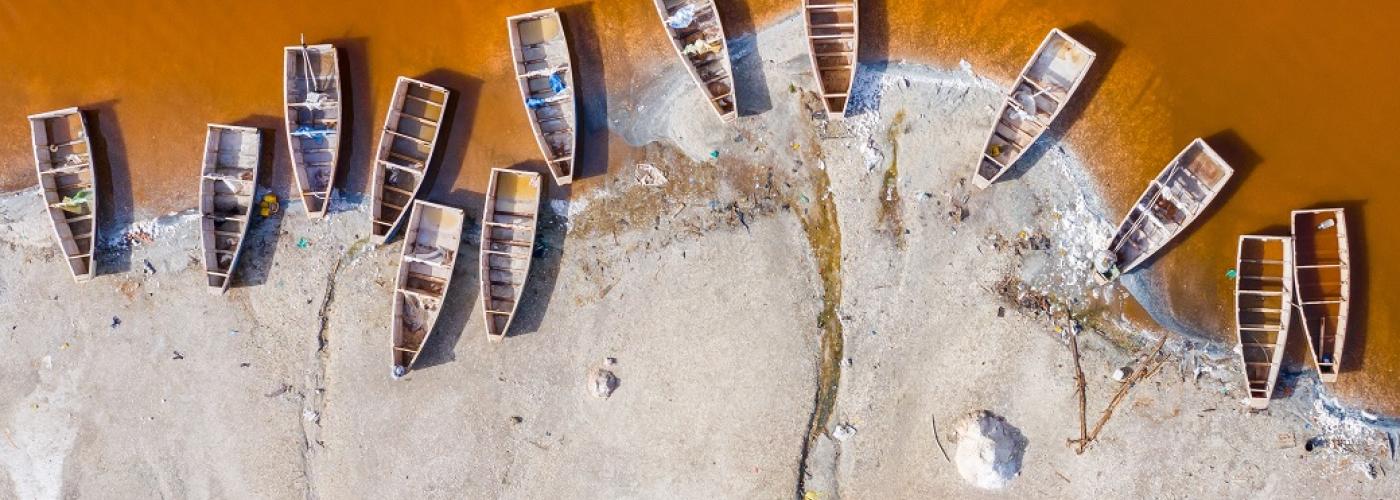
<point>988,451</point>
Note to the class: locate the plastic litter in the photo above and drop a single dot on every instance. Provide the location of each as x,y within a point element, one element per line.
<point>714,154</point>
<point>75,203</point>
<point>682,18</point>
<point>843,432</point>
<point>535,103</point>
<point>1327,224</point>
<point>314,132</point>
<point>1231,273</point>
<point>303,242</point>
<point>556,83</point>
<point>269,206</point>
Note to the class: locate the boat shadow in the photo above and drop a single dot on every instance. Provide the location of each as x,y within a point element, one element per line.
<point>264,233</point>
<point>544,273</point>
<point>451,149</point>
<point>872,58</point>
<point>591,156</point>
<point>355,94</point>
<point>1244,159</point>
<point>460,302</point>
<point>1106,48</point>
<point>750,79</point>
<point>116,206</point>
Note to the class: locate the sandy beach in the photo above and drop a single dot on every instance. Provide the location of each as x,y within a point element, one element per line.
<point>803,309</point>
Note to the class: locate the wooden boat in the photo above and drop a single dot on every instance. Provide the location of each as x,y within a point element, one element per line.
<point>63,158</point>
<point>833,43</point>
<point>507,245</point>
<point>227,184</point>
<point>1263,307</point>
<point>545,73</point>
<point>431,239</point>
<point>412,126</point>
<point>1322,280</point>
<point>311,101</point>
<point>1171,202</point>
<point>697,34</point>
<point>1045,86</point>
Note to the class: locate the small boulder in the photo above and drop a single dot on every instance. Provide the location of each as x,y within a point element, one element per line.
<point>989,450</point>
<point>603,383</point>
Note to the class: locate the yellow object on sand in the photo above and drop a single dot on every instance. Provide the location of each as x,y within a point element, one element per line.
<point>269,205</point>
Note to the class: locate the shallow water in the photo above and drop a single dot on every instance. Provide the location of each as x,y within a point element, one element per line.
<point>1295,98</point>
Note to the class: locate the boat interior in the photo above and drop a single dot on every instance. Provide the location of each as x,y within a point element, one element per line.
<point>508,240</point>
<point>313,120</point>
<point>1038,96</point>
<point>429,255</point>
<point>61,148</point>
<point>227,185</point>
<point>405,148</point>
<point>1263,295</point>
<point>1323,275</point>
<point>831,30</point>
<point>1170,203</point>
<point>545,76</point>
<point>702,43</point>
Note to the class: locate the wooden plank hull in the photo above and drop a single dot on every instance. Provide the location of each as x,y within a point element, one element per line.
<point>227,187</point>
<point>63,160</point>
<point>431,241</point>
<point>832,28</point>
<point>1172,201</point>
<point>697,35</point>
<point>412,125</point>
<point>544,71</point>
<point>1041,92</point>
<point>508,224</point>
<point>1263,308</point>
<point>311,102</point>
<point>1322,277</point>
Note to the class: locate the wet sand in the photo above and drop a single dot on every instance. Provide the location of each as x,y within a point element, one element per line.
<point>1284,94</point>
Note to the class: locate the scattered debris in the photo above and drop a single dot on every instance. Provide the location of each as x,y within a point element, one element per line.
<point>1122,373</point>
<point>150,269</point>
<point>1150,365</point>
<point>989,450</point>
<point>280,391</point>
<point>116,322</point>
<point>312,416</point>
<point>609,361</point>
<point>648,175</point>
<point>603,383</point>
<point>843,432</point>
<point>516,419</point>
<point>176,354</point>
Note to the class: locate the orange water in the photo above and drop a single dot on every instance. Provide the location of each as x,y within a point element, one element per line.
<point>1294,94</point>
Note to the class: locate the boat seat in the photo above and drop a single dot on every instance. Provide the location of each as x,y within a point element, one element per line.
<point>419,119</point>
<point>832,37</point>
<point>833,25</point>
<point>422,99</point>
<point>514,226</point>
<point>404,192</point>
<point>832,7</point>
<point>420,142</point>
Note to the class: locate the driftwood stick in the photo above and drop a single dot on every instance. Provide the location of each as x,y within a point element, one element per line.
<point>934,419</point>
<point>1079,386</point>
<point>1150,366</point>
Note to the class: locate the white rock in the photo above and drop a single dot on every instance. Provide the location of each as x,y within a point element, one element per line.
<point>603,383</point>
<point>989,450</point>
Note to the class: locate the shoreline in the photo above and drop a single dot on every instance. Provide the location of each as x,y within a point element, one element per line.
<point>709,290</point>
